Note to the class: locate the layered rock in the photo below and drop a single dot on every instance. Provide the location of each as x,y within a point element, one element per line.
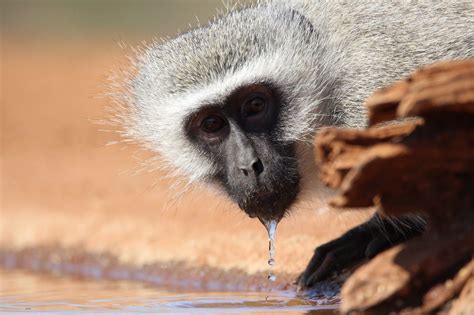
<point>417,156</point>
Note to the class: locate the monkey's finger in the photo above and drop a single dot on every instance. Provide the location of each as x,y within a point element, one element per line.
<point>324,270</point>
<point>337,260</point>
<point>317,259</point>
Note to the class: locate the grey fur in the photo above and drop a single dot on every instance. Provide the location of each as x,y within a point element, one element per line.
<point>327,59</point>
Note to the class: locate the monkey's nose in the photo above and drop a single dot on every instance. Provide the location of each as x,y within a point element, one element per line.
<point>255,168</point>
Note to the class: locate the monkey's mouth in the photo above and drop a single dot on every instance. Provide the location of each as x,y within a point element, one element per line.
<point>269,205</point>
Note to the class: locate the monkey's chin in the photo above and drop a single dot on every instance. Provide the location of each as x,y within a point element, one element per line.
<point>268,207</point>
<point>270,210</point>
<point>264,216</point>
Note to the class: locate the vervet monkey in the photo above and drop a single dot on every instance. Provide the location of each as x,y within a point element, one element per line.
<point>236,103</point>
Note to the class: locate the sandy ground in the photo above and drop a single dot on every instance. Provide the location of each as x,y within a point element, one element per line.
<point>63,187</point>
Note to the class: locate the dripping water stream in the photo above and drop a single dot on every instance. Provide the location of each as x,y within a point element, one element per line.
<point>271,229</point>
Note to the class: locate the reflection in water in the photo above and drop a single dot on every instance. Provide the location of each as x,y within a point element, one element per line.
<point>22,291</point>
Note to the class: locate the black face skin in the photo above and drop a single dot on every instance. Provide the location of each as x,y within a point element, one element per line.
<point>259,173</point>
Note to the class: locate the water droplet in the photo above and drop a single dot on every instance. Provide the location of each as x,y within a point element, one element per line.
<point>272,277</point>
<point>271,262</point>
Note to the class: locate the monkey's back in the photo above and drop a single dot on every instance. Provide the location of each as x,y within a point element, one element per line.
<point>382,41</point>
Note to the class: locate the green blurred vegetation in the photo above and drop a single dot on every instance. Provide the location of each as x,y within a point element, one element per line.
<point>110,19</point>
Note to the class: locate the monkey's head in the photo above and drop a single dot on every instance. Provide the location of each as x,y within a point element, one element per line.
<point>229,104</point>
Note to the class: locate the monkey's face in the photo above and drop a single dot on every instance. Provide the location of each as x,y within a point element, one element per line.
<point>234,102</point>
<point>240,136</point>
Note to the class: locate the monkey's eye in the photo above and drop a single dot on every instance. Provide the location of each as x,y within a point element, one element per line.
<point>212,124</point>
<point>209,126</point>
<point>253,107</point>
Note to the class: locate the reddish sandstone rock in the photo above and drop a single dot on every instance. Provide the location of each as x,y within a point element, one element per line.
<point>445,87</point>
<point>423,165</point>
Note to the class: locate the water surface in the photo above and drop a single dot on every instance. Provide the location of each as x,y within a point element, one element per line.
<point>22,291</point>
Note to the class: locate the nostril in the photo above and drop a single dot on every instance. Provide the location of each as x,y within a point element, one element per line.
<point>257,167</point>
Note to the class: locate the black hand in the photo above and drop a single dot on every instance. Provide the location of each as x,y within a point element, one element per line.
<point>363,241</point>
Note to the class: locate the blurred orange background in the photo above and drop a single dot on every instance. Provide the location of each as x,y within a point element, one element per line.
<point>66,195</point>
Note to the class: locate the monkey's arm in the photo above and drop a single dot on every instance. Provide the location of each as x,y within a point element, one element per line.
<point>363,241</point>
